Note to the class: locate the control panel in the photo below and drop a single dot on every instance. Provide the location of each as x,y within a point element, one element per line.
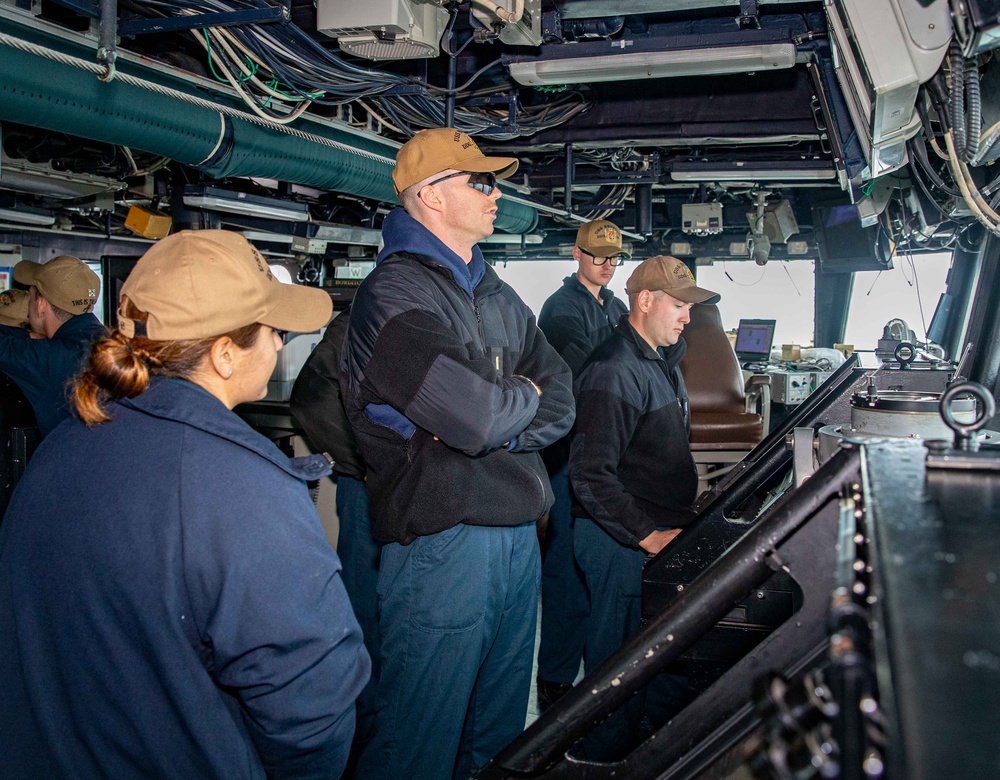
<point>793,387</point>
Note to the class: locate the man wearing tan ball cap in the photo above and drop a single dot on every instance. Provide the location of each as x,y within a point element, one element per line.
<point>14,308</point>
<point>452,391</point>
<point>61,297</point>
<point>633,476</point>
<point>575,319</point>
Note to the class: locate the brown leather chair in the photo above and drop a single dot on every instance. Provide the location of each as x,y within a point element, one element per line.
<point>729,414</point>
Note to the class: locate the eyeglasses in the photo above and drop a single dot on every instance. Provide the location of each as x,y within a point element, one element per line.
<point>484,182</point>
<point>615,260</point>
<point>280,333</point>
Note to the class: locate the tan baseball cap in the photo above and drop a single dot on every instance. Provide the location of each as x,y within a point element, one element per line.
<point>199,284</point>
<point>64,281</point>
<point>600,238</point>
<point>672,277</point>
<point>14,308</point>
<point>441,149</point>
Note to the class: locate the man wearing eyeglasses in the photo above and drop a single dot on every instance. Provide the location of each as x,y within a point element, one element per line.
<point>633,476</point>
<point>452,392</point>
<point>575,319</point>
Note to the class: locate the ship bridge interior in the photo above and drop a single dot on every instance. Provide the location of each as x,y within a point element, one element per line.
<point>843,133</point>
<point>838,132</point>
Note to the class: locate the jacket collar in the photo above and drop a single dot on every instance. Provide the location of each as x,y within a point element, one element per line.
<point>402,233</point>
<point>79,325</point>
<point>672,355</point>
<point>572,283</point>
<point>489,283</point>
<point>187,403</point>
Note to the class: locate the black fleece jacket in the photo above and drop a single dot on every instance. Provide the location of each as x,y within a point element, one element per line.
<point>318,403</point>
<point>630,463</point>
<point>438,392</point>
<point>575,322</point>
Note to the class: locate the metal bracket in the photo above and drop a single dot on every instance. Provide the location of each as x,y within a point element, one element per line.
<point>107,38</point>
<point>748,18</point>
<point>276,13</point>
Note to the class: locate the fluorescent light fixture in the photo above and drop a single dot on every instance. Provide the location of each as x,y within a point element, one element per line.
<point>511,238</point>
<point>711,61</point>
<point>797,247</point>
<point>679,248</point>
<point>347,234</point>
<point>232,206</point>
<point>695,172</point>
<point>265,238</point>
<point>216,199</point>
<point>754,174</point>
<point>27,217</point>
<point>738,249</point>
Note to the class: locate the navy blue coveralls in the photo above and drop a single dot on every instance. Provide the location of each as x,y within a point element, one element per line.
<point>574,322</point>
<point>440,359</point>
<point>44,368</point>
<point>169,604</point>
<point>632,473</point>
<point>318,405</point>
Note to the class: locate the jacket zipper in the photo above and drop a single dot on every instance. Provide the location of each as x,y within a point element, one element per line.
<point>479,323</point>
<point>441,268</point>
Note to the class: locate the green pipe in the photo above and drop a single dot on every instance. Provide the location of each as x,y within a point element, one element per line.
<point>43,93</point>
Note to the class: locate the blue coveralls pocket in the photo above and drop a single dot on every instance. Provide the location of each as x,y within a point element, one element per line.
<point>436,562</point>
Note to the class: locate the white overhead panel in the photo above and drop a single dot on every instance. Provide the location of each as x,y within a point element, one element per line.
<point>384,29</point>
<point>521,20</point>
<point>625,64</point>
<point>883,52</point>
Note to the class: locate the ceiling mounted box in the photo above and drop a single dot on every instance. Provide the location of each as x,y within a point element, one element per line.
<point>383,29</point>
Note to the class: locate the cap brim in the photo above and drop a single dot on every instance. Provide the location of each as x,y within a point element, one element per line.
<point>695,295</point>
<point>609,251</point>
<point>503,167</point>
<point>298,308</point>
<point>25,271</point>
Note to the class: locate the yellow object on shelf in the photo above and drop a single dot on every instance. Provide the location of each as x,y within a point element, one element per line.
<point>148,223</point>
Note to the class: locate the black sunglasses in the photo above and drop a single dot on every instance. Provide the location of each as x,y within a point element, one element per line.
<point>484,182</point>
<point>615,260</point>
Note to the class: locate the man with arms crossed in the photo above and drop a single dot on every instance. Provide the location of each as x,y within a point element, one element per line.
<point>575,319</point>
<point>452,391</point>
<point>633,476</point>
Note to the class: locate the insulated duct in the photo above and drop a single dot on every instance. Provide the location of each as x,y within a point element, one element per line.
<point>39,92</point>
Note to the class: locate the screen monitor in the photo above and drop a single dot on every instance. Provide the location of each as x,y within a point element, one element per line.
<point>753,340</point>
<point>844,245</point>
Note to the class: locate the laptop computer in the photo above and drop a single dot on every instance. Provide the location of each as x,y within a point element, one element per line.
<point>753,340</point>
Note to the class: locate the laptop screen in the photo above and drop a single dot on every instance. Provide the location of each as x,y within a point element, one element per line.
<point>753,340</point>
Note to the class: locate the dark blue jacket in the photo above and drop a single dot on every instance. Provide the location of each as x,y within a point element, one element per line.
<point>630,464</point>
<point>44,368</point>
<point>575,322</point>
<point>170,606</point>
<point>440,348</point>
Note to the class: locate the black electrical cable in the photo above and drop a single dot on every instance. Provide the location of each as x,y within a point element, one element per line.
<point>305,70</point>
<point>956,102</point>
<point>973,116</point>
